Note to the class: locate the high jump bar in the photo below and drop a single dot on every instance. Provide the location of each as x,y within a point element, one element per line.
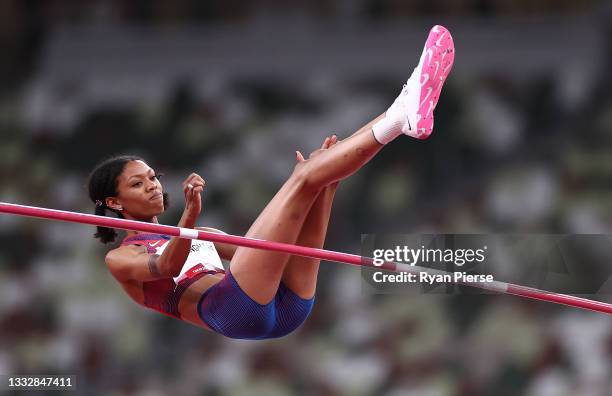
<point>305,251</point>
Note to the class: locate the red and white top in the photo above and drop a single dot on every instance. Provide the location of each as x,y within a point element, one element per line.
<point>163,295</point>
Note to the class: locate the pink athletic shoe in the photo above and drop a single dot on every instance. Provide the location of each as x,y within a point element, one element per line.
<point>420,94</point>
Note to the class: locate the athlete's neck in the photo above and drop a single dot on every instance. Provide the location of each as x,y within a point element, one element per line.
<point>146,220</point>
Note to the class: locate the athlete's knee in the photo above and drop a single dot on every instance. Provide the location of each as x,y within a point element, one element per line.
<point>306,177</point>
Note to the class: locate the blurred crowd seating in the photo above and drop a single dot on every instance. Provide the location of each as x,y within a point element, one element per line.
<point>518,147</point>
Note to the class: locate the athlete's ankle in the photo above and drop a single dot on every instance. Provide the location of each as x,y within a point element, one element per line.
<point>387,129</point>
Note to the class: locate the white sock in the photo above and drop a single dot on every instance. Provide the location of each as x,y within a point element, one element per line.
<point>387,129</point>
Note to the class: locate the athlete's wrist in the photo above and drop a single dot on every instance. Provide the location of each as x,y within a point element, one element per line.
<point>187,220</point>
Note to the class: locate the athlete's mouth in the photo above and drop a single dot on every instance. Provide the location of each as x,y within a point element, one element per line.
<point>156,196</point>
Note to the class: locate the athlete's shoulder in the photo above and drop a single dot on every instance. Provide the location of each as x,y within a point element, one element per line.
<point>123,252</point>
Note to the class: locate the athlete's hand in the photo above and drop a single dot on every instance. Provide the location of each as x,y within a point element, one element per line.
<point>192,188</point>
<point>327,143</point>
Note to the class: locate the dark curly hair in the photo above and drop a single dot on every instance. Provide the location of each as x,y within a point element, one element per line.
<point>102,183</point>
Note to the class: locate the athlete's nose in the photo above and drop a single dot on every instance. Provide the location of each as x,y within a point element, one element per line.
<point>150,185</point>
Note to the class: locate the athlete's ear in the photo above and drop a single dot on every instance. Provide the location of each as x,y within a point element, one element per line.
<point>113,203</point>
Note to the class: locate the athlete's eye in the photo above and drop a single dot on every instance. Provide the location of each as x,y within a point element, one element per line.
<point>136,184</point>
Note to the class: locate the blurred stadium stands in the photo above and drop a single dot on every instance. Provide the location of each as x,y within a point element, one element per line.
<point>230,89</point>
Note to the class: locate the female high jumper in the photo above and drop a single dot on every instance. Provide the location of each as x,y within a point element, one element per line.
<point>263,294</point>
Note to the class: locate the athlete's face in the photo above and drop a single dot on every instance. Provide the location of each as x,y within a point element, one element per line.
<point>139,192</point>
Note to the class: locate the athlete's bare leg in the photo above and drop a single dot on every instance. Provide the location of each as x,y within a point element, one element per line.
<point>300,274</point>
<point>258,272</point>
